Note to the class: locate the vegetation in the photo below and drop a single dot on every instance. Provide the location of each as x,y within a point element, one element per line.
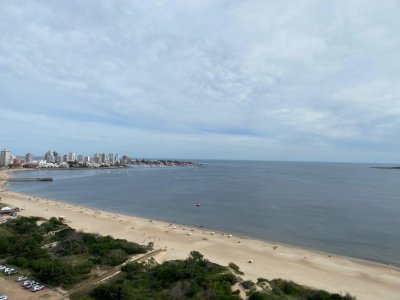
<point>196,278</point>
<point>247,284</point>
<point>56,254</point>
<point>235,268</point>
<point>193,278</point>
<point>283,289</point>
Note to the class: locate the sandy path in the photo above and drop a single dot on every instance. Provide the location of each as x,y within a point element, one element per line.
<point>319,270</point>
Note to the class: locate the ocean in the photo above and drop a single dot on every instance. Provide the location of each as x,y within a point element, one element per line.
<point>339,208</point>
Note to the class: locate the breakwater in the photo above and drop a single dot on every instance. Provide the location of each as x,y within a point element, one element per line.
<point>29,179</point>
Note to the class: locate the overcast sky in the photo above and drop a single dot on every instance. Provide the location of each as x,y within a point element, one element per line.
<point>272,80</point>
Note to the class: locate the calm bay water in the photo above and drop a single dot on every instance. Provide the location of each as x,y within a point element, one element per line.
<point>346,209</point>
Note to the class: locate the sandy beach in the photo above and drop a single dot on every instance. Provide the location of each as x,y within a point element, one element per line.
<point>365,280</point>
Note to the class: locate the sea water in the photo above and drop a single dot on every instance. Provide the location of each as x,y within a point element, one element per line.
<point>340,208</point>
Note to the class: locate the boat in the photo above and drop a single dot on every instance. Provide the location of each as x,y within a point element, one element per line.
<point>197,204</point>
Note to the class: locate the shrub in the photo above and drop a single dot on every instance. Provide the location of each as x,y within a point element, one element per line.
<point>247,284</point>
<point>235,268</point>
<point>262,296</point>
<point>287,287</point>
<point>51,225</point>
<point>83,268</point>
<point>115,291</point>
<point>228,277</point>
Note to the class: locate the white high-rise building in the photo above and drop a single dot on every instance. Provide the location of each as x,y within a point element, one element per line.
<point>72,156</point>
<point>5,158</point>
<point>111,158</point>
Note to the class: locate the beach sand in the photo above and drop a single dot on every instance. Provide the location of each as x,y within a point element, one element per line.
<point>365,280</point>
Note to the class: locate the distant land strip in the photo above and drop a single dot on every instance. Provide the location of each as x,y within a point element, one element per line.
<point>387,168</point>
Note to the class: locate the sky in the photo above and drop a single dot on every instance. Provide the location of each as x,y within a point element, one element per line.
<point>217,79</point>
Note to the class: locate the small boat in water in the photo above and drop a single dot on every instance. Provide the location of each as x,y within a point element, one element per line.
<point>197,204</point>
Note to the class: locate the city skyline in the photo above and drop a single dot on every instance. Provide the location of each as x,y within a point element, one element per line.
<point>303,81</point>
<point>7,158</point>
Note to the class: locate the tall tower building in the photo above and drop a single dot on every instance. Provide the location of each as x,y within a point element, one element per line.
<point>104,159</point>
<point>97,158</point>
<point>57,157</point>
<point>49,157</point>
<point>5,158</point>
<point>29,157</point>
<point>111,158</point>
<point>72,156</point>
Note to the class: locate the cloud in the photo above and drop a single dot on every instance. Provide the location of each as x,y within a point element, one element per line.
<point>303,81</point>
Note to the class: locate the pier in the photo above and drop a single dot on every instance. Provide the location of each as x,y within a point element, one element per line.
<point>29,179</point>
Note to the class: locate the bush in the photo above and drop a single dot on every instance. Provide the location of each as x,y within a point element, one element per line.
<point>282,287</point>
<point>288,287</point>
<point>51,225</point>
<point>113,258</point>
<point>247,284</point>
<point>23,225</point>
<point>228,277</point>
<point>83,268</point>
<point>111,292</point>
<point>235,268</point>
<point>53,272</point>
<point>262,296</point>
<point>19,262</point>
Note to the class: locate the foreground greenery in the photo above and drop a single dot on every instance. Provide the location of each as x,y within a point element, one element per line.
<point>69,256</point>
<point>196,278</point>
<point>52,252</point>
<point>283,289</point>
<point>193,278</point>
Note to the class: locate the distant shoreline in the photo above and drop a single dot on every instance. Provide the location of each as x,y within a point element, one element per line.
<point>386,168</point>
<point>62,169</point>
<point>180,164</point>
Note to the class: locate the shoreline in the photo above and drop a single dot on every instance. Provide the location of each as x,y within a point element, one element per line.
<point>362,278</point>
<point>198,227</point>
<point>209,230</point>
<point>60,169</point>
